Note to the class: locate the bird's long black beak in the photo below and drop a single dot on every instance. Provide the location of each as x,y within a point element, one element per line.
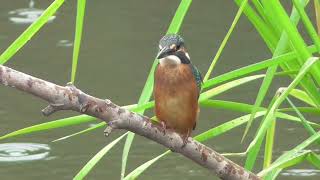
<point>164,52</point>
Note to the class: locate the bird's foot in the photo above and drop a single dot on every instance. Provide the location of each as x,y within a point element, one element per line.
<point>164,127</point>
<point>108,129</point>
<point>185,138</point>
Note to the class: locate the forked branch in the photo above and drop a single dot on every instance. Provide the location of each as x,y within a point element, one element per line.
<point>71,98</point>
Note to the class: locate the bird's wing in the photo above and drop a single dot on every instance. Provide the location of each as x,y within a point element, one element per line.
<point>197,75</point>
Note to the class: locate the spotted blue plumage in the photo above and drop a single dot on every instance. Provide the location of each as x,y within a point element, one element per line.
<point>197,75</point>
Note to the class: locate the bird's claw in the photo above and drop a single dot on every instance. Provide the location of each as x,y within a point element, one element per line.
<point>164,127</point>
<point>108,129</point>
<point>185,140</point>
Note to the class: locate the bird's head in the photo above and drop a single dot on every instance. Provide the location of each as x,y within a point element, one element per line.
<point>172,50</point>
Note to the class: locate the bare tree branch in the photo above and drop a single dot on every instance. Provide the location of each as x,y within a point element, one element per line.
<point>71,98</point>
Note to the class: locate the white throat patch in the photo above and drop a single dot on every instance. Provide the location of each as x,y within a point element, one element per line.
<point>170,60</point>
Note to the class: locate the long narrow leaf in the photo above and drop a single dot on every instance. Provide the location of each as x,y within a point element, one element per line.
<point>307,126</point>
<point>254,146</point>
<point>303,96</point>
<point>314,159</point>
<point>95,159</point>
<point>290,161</point>
<point>51,125</point>
<point>99,125</point>
<point>235,83</point>
<point>125,153</point>
<point>281,48</point>
<point>253,68</point>
<point>139,170</point>
<point>263,29</point>
<point>272,174</point>
<point>317,10</point>
<point>261,94</point>
<point>70,121</point>
<point>225,40</point>
<point>77,39</point>
<point>30,31</point>
<point>308,24</point>
<point>269,145</point>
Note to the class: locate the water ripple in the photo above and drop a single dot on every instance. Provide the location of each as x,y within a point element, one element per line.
<point>13,152</point>
<point>27,15</point>
<point>301,172</point>
<point>64,43</point>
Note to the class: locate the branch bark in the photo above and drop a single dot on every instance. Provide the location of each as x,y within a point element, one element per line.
<point>70,98</point>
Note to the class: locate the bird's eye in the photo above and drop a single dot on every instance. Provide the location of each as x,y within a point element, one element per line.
<point>178,47</point>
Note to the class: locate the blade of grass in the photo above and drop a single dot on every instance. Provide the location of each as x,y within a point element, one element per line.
<point>225,40</point>
<point>77,39</point>
<point>297,41</point>
<point>235,83</point>
<point>281,48</point>
<point>303,96</point>
<point>307,23</point>
<point>178,17</point>
<point>75,120</point>
<point>314,159</point>
<point>295,159</point>
<point>261,94</point>
<point>125,154</point>
<point>30,31</point>
<point>307,126</point>
<point>309,110</point>
<point>96,126</point>
<point>253,68</point>
<point>254,146</point>
<point>51,125</point>
<point>229,105</point>
<point>269,145</point>
<point>95,159</point>
<point>139,170</point>
<point>317,10</point>
<point>247,108</point>
<point>263,29</point>
<point>218,130</point>
<point>272,174</point>
<point>258,6</point>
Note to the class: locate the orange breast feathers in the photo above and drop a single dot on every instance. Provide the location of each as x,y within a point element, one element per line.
<point>176,97</point>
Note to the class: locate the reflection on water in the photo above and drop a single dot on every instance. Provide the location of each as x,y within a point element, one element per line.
<point>64,43</point>
<point>301,172</point>
<point>13,152</point>
<point>27,15</point>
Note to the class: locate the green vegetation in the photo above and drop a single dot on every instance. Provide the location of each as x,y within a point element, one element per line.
<point>291,57</point>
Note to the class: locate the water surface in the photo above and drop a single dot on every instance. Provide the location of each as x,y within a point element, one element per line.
<point>119,45</point>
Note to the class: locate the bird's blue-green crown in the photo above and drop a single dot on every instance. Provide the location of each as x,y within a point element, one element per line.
<point>169,39</point>
<point>175,39</point>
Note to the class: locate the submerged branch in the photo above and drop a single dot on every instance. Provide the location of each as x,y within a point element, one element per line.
<point>70,98</point>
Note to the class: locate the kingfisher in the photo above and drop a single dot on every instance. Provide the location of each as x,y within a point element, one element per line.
<point>177,85</point>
